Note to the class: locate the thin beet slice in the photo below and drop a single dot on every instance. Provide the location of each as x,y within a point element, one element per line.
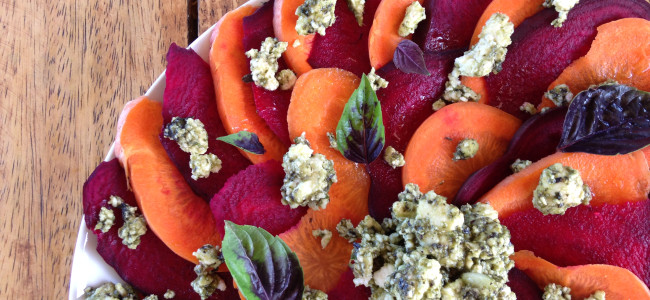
<point>405,104</point>
<point>540,52</point>
<point>151,268</point>
<point>450,24</point>
<point>252,197</point>
<point>613,234</point>
<point>271,106</point>
<point>345,289</point>
<point>345,44</point>
<point>189,92</point>
<point>523,287</point>
<point>538,137</point>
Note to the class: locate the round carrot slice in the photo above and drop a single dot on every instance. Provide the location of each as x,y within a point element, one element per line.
<point>429,154</point>
<point>284,25</point>
<point>384,38</point>
<point>235,101</point>
<point>619,52</point>
<point>612,179</point>
<point>181,219</point>
<point>617,283</point>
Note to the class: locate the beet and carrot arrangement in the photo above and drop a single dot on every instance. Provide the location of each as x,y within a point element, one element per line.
<point>363,104</point>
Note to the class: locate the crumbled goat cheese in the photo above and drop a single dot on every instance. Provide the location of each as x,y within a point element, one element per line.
<point>106,219</point>
<point>150,297</point>
<point>519,165</point>
<point>264,63</point>
<point>189,133</point>
<point>332,139</point>
<point>313,294</point>
<point>393,157</point>
<point>324,235</point>
<point>484,57</point>
<point>598,295</point>
<point>556,292</point>
<point>204,164</point>
<point>169,294</point>
<point>115,201</point>
<point>528,107</point>
<point>296,43</point>
<point>562,7</point>
<point>357,6</point>
<point>207,279</point>
<point>560,95</point>
<point>347,231</point>
<point>287,79</point>
<point>426,244</point>
<point>438,105</point>
<point>110,291</point>
<point>309,176</point>
<point>134,226</point>
<point>375,81</point>
<point>315,16</point>
<point>560,188</point>
<point>413,16</point>
<point>466,149</point>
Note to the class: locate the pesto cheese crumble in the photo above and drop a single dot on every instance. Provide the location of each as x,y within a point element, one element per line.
<point>332,140</point>
<point>264,63</point>
<point>356,6</point>
<point>189,133</point>
<point>169,294</point>
<point>110,291</point>
<point>315,16</point>
<point>393,158</point>
<point>204,164</point>
<point>528,108</point>
<point>438,105</point>
<point>207,279</point>
<point>375,81</point>
<point>466,149</point>
<point>346,230</point>
<point>134,226</point>
<point>150,297</point>
<point>598,295</point>
<point>324,235</point>
<point>313,294</point>
<point>562,7</point>
<point>476,286</point>
<point>413,16</point>
<point>560,95</point>
<point>286,79</point>
<point>556,292</point>
<point>308,176</point>
<point>560,188</point>
<point>519,165</point>
<point>106,219</point>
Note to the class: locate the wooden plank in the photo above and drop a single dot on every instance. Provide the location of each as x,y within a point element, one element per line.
<point>210,11</point>
<point>68,68</point>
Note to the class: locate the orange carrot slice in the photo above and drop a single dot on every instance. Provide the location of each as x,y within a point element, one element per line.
<point>478,85</point>
<point>429,154</point>
<point>384,38</point>
<point>284,25</point>
<point>617,283</point>
<point>182,220</point>
<point>612,179</point>
<point>235,102</point>
<point>619,52</point>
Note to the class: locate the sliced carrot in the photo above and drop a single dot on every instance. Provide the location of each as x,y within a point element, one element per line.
<point>284,25</point>
<point>235,102</point>
<point>478,85</point>
<point>612,179</point>
<point>429,154</point>
<point>384,38</point>
<point>619,52</point>
<point>182,220</point>
<point>617,283</point>
<point>516,10</point>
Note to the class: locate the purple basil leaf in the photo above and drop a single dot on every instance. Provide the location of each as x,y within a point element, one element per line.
<point>609,119</point>
<point>244,140</point>
<point>409,58</point>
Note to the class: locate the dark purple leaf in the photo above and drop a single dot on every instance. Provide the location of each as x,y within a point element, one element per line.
<point>244,140</point>
<point>409,58</point>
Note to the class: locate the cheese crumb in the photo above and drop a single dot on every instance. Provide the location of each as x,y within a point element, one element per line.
<point>560,188</point>
<point>466,149</point>
<point>296,43</point>
<point>357,6</point>
<point>287,79</point>
<point>519,165</point>
<point>109,290</point>
<point>115,201</point>
<point>347,231</point>
<point>562,7</point>
<point>313,294</point>
<point>315,16</point>
<point>375,81</point>
<point>438,105</point>
<point>309,176</point>
<point>556,292</point>
<point>189,133</point>
<point>393,157</point>
<point>264,63</point>
<point>413,16</point>
<point>598,295</point>
<point>150,297</point>
<point>134,226</point>
<point>208,280</point>
<point>560,95</point>
<point>204,164</point>
<point>106,219</point>
<point>324,235</point>
<point>332,139</point>
<point>169,294</point>
<point>528,107</point>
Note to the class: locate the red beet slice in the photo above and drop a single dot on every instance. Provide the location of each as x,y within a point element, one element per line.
<point>405,104</point>
<point>271,106</point>
<point>524,287</point>
<point>450,25</point>
<point>189,92</point>
<point>151,268</point>
<point>613,234</point>
<point>538,137</point>
<point>539,52</point>
<point>345,43</point>
<point>252,197</point>
<point>345,289</point>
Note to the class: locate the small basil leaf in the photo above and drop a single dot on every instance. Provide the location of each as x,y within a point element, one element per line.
<point>262,265</point>
<point>360,133</point>
<point>409,58</point>
<point>244,140</point>
<point>609,119</point>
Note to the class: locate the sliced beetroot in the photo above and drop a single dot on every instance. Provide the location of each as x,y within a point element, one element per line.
<point>151,268</point>
<point>189,92</point>
<point>252,197</point>
<point>271,106</point>
<point>345,43</point>
<point>405,104</point>
<point>540,52</point>
<point>536,138</point>
<point>613,234</point>
<point>449,24</point>
<point>345,289</point>
<point>523,287</point>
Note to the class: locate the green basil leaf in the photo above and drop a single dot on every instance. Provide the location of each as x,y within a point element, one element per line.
<point>262,265</point>
<point>608,119</point>
<point>360,134</point>
<point>244,140</point>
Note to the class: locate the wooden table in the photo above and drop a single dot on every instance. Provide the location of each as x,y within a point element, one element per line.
<point>67,68</point>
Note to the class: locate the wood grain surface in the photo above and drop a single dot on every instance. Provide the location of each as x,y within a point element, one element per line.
<point>67,68</point>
